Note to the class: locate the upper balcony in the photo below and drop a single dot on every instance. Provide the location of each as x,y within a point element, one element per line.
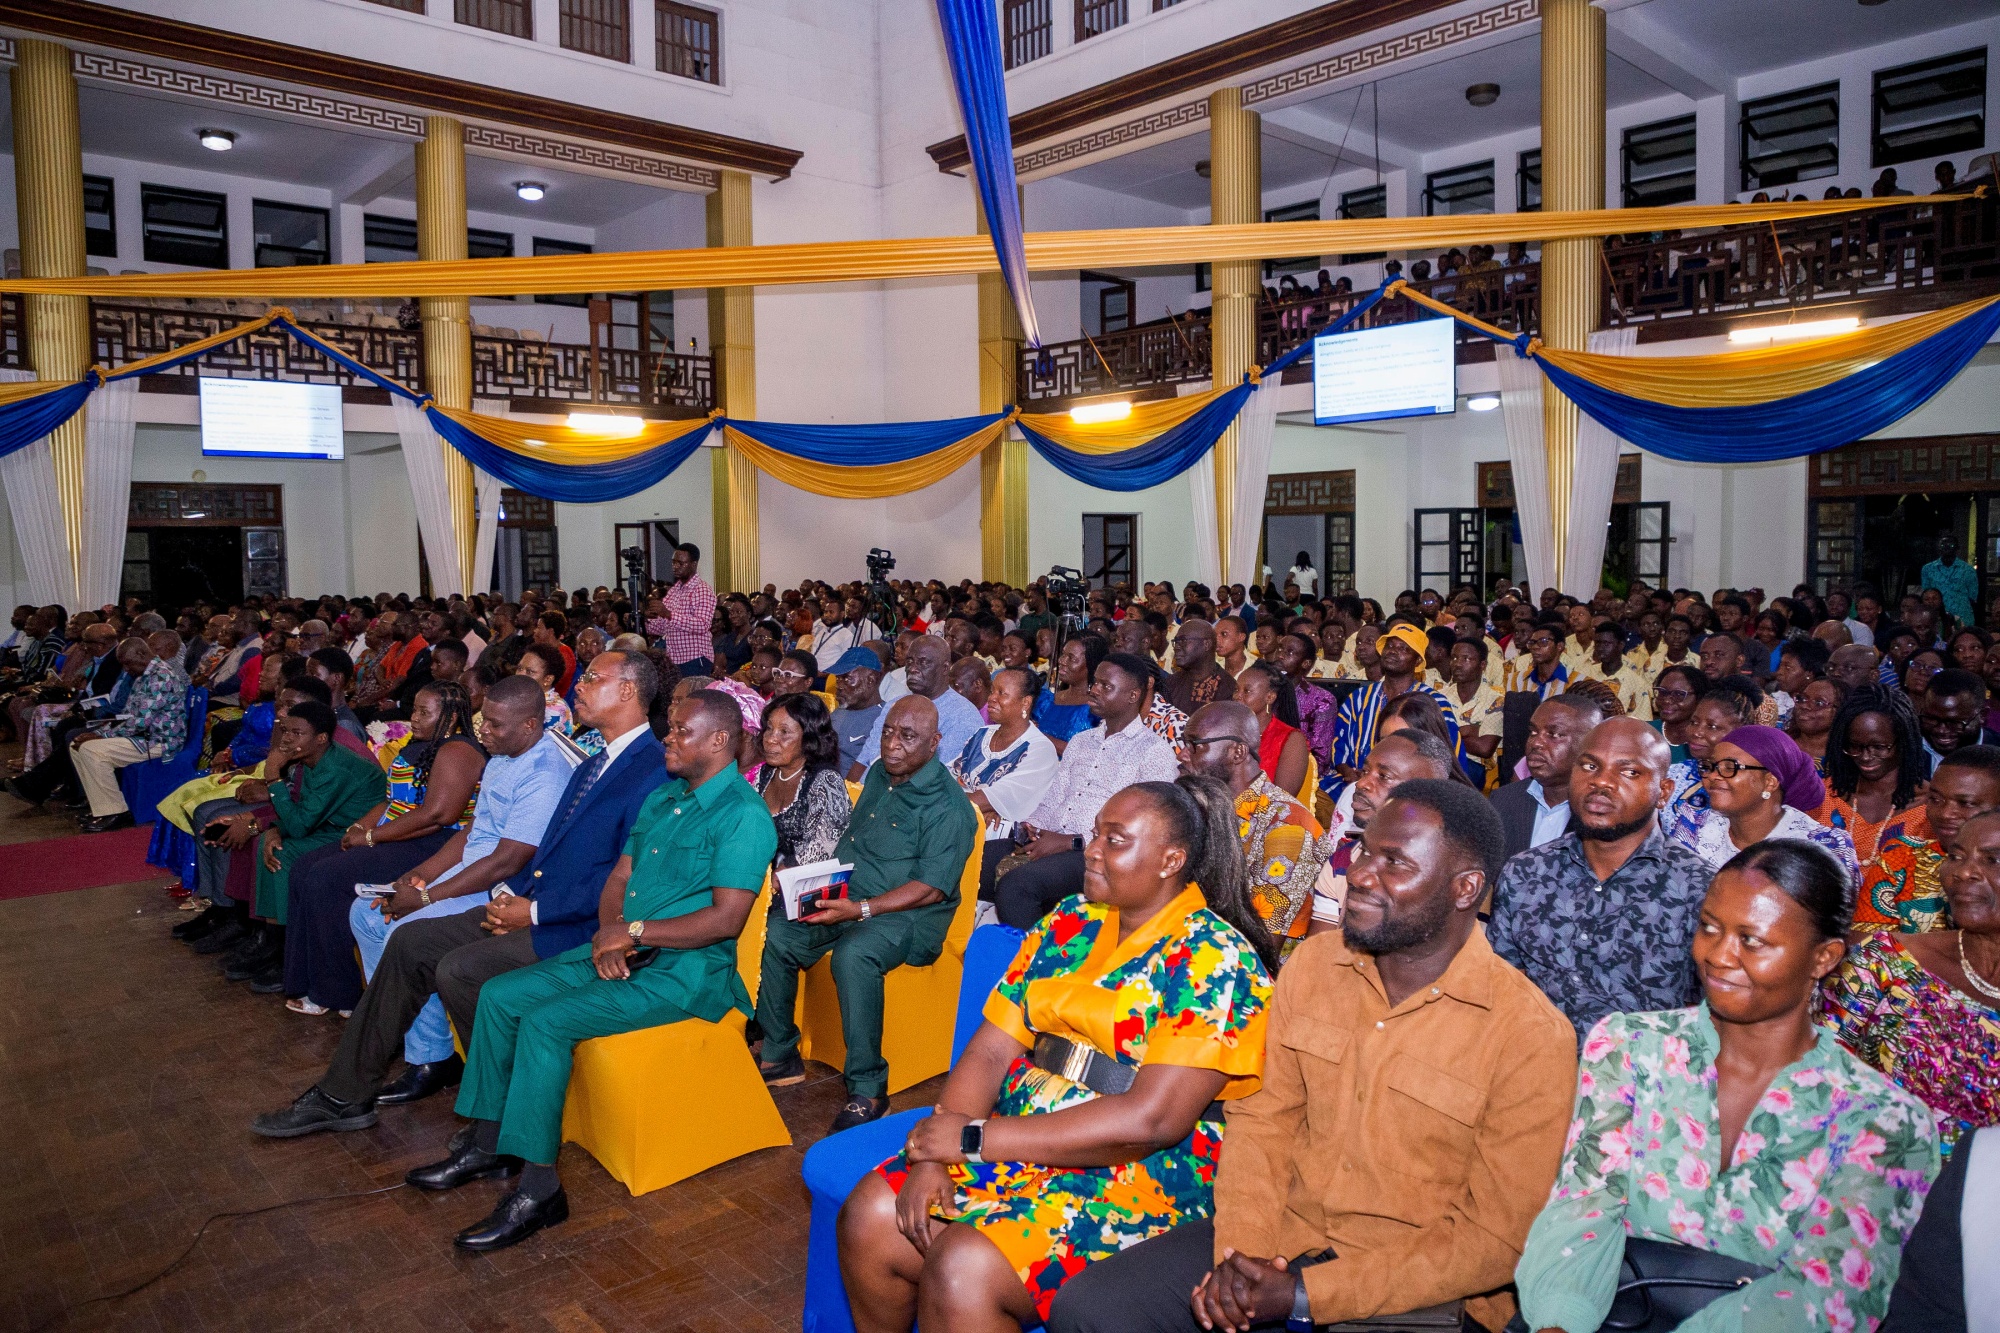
<point>518,365</point>
<point>1671,285</point>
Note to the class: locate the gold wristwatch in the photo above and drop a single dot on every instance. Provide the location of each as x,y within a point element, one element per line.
<point>635,929</point>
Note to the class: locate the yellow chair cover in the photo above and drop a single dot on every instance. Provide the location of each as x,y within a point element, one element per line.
<point>177,807</point>
<point>1310,787</point>
<point>919,1004</point>
<point>621,1109</point>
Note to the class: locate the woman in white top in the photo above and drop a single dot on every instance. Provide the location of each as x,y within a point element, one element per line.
<point>1006,767</point>
<point>1304,575</point>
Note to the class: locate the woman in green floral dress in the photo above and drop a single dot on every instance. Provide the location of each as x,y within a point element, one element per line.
<point>1739,1128</point>
<point>1163,969</point>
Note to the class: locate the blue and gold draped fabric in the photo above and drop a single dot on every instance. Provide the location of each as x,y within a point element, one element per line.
<point>1756,405</point>
<point>1763,403</point>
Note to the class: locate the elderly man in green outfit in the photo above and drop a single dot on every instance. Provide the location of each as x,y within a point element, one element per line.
<point>908,841</point>
<point>665,951</point>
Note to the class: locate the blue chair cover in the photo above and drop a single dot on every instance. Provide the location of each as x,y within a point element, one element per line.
<point>836,1164</point>
<point>174,850</point>
<point>146,782</point>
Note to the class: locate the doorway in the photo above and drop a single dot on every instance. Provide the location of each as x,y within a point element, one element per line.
<point>1311,512</point>
<point>1110,550</point>
<point>186,545</point>
<point>656,537</point>
<point>1108,303</point>
<point>1875,511</point>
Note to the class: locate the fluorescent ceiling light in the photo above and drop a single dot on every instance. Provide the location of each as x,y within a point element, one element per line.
<point>1090,414</point>
<point>603,423</point>
<point>218,141</point>
<point>1811,328</point>
<point>1483,402</point>
<point>530,190</point>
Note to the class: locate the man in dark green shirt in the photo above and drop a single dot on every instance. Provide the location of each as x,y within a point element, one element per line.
<point>908,841</point>
<point>665,951</point>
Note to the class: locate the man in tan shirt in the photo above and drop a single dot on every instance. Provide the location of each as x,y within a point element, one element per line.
<point>1416,1093</point>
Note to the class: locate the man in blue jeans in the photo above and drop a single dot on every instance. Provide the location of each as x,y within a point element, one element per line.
<point>518,794</point>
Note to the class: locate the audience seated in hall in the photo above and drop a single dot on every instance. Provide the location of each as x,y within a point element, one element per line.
<point>551,907</point>
<point>908,840</point>
<point>1096,764</point>
<point>1068,1131</point>
<point>1403,1038</point>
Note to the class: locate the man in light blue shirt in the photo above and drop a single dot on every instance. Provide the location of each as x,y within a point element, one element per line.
<point>1537,811</point>
<point>525,777</point>
<point>1956,581</point>
<point>928,674</point>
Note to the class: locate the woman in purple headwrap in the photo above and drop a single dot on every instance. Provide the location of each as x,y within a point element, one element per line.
<point>1761,785</point>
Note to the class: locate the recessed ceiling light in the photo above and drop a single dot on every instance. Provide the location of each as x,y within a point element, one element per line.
<point>1483,94</point>
<point>1483,402</point>
<point>1201,168</point>
<point>218,141</point>
<point>530,190</point>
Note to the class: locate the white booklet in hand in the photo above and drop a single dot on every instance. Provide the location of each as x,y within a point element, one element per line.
<point>806,887</point>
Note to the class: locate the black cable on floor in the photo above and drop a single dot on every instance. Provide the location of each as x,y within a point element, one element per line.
<point>212,1219</point>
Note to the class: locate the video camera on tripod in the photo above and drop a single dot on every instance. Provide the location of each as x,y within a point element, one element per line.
<point>883,608</point>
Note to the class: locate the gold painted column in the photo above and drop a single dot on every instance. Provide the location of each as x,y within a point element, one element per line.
<point>48,189</point>
<point>1236,195</point>
<point>1003,465</point>
<point>448,319</point>
<point>1572,178</point>
<point>732,341</point>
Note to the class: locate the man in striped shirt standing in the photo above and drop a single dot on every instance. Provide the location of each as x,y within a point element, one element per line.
<point>690,611</point>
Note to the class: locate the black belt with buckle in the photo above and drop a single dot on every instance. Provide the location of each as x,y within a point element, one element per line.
<point>1090,1068</point>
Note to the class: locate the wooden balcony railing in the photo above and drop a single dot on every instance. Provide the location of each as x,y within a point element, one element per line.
<point>533,374</point>
<point>1946,253</point>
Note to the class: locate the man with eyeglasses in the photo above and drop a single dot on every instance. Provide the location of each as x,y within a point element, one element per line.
<point>1540,669</point>
<point>1283,845</point>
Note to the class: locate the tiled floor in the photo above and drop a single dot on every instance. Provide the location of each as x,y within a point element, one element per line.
<point>129,1071</point>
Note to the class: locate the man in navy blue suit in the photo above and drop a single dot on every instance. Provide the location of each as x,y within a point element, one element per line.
<point>546,908</point>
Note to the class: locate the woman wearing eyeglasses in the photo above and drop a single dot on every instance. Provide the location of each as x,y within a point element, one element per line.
<point>1811,727</point>
<point>1876,767</point>
<point>1676,691</point>
<point>1761,786</point>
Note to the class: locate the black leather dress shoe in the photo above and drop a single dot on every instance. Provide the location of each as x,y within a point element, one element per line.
<point>467,1162</point>
<point>312,1112</point>
<point>417,1082</point>
<point>270,981</point>
<point>859,1111</point>
<point>517,1218</point>
<point>224,937</point>
<point>106,823</point>
<point>203,924</point>
<point>252,959</point>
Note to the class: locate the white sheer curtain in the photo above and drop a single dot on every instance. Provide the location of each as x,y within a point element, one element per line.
<point>423,456</point>
<point>481,574</point>
<point>1596,480</point>
<point>1255,426</point>
<point>1521,413</point>
<point>1201,485</point>
<point>107,489</point>
<point>29,476</point>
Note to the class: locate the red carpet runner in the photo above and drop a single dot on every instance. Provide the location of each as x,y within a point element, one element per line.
<point>57,865</point>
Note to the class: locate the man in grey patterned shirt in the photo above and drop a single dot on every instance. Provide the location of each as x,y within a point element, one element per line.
<point>1603,918</point>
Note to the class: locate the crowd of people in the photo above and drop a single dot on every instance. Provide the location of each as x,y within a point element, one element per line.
<point>1461,958</point>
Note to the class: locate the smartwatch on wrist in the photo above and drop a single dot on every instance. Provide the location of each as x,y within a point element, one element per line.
<point>1300,1320</point>
<point>971,1138</point>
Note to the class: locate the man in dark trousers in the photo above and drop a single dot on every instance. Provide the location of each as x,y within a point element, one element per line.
<point>547,908</point>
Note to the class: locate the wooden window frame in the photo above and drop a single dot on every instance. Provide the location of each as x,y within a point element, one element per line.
<point>664,14</point>
<point>601,28</point>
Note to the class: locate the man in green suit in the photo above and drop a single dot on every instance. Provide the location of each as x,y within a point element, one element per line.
<point>665,952</point>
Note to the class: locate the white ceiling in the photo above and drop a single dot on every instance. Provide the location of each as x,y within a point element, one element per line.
<point>140,128</point>
<point>1666,45</point>
<point>1739,37</point>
